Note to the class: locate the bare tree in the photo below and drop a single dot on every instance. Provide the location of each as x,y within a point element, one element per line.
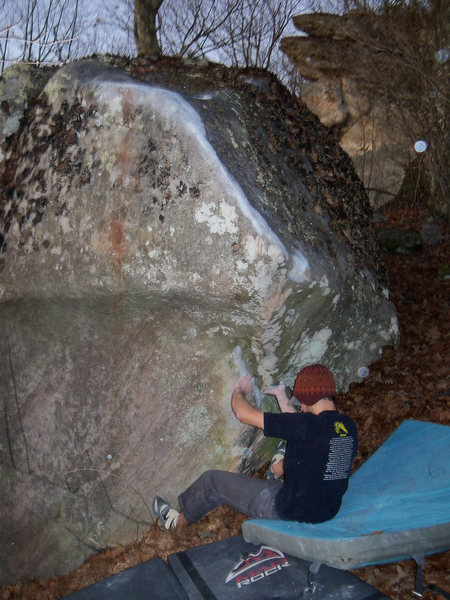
<point>39,31</point>
<point>242,33</point>
<point>235,32</point>
<point>4,43</point>
<point>190,28</point>
<point>145,27</point>
<point>113,31</point>
<point>255,29</point>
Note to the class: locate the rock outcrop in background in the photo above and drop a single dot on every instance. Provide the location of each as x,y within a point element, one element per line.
<point>163,228</point>
<point>339,68</point>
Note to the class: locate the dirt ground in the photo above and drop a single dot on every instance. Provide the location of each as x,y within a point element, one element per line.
<point>408,383</point>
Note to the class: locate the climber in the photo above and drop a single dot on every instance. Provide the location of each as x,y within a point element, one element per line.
<point>320,447</point>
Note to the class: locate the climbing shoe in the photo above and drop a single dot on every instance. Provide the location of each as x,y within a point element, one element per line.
<point>167,516</point>
<point>278,455</point>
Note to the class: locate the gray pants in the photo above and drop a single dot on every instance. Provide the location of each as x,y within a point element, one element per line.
<point>253,497</point>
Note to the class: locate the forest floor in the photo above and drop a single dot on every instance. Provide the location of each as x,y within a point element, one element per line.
<point>410,382</point>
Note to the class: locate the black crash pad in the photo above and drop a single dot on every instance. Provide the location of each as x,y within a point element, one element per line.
<point>151,580</point>
<point>230,569</point>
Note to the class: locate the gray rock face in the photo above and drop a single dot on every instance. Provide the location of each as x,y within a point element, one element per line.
<point>163,229</point>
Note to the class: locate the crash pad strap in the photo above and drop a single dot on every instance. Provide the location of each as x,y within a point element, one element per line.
<point>195,576</point>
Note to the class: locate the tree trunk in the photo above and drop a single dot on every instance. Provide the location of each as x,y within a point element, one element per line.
<point>145,28</point>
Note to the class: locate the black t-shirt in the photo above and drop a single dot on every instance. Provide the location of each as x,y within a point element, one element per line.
<point>319,454</point>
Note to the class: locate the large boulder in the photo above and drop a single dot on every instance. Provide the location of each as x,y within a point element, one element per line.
<point>163,228</point>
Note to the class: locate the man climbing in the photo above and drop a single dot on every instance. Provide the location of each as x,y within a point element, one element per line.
<point>320,447</point>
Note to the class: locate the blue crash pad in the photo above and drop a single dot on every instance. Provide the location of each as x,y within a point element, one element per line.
<point>397,506</point>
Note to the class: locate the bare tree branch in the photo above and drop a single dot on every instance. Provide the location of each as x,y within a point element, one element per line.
<point>40,31</point>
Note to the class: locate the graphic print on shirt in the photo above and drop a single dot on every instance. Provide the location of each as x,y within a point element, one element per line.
<point>340,428</point>
<point>340,454</point>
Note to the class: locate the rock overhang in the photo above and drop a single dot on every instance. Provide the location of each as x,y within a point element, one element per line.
<point>248,203</point>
